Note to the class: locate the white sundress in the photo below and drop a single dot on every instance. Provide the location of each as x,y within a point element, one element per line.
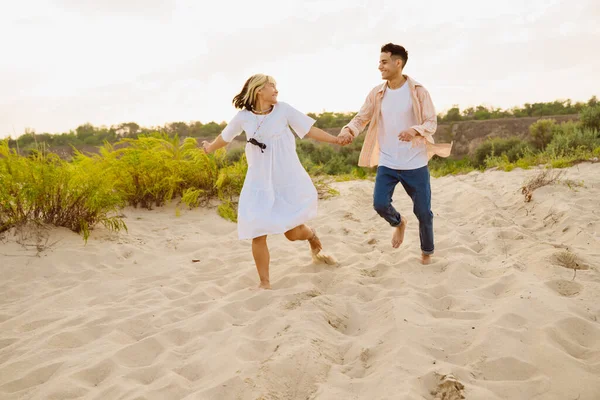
<point>278,193</point>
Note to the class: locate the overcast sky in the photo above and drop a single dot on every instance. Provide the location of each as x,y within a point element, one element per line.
<point>68,62</point>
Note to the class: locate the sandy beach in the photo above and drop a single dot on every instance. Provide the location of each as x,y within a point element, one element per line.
<point>509,309</point>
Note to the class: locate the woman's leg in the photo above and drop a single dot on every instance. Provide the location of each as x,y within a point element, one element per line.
<point>260,252</point>
<point>301,232</point>
<point>304,232</point>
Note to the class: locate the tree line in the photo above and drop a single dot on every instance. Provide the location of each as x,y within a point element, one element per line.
<point>90,135</point>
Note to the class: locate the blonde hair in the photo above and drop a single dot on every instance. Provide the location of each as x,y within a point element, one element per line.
<point>247,97</point>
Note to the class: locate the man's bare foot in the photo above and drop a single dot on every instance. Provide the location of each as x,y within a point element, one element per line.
<point>264,285</point>
<point>425,259</point>
<point>398,236</point>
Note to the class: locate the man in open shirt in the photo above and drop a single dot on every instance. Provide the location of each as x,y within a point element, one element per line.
<point>400,142</point>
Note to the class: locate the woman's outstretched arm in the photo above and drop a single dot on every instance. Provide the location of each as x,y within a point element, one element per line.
<point>322,136</point>
<point>216,144</point>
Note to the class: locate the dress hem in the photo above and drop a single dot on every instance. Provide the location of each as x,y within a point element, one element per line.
<point>278,232</point>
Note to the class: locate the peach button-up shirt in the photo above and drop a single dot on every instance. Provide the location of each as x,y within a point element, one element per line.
<point>371,112</point>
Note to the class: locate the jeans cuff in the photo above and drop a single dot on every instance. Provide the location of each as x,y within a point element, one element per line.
<point>427,253</point>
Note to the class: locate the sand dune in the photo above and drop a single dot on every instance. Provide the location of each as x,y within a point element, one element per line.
<point>496,316</point>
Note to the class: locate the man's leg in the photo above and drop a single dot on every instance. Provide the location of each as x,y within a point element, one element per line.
<point>416,182</point>
<point>385,183</point>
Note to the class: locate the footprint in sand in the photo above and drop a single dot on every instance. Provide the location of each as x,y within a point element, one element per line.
<point>502,287</point>
<point>358,368</point>
<point>506,369</point>
<point>145,376</point>
<point>349,216</point>
<point>300,298</point>
<point>369,273</point>
<point>577,337</point>
<point>565,288</point>
<point>74,338</point>
<point>67,393</point>
<point>178,337</point>
<point>512,321</point>
<point>96,374</point>
<point>191,371</point>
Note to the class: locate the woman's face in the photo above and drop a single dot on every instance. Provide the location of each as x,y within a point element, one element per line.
<point>268,93</point>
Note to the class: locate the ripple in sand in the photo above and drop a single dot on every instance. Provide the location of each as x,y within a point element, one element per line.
<point>34,378</point>
<point>140,354</point>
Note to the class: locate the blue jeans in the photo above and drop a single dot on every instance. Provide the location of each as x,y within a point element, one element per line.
<point>417,186</point>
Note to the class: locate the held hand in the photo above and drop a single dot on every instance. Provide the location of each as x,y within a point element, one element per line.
<point>206,146</point>
<point>342,140</point>
<point>345,137</point>
<point>407,135</point>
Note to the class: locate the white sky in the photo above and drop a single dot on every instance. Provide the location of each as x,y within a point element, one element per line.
<point>68,62</point>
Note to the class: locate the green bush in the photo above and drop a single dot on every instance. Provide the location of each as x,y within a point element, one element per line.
<point>541,132</point>
<point>229,186</point>
<point>513,148</point>
<point>320,158</point>
<point>228,211</point>
<point>338,165</point>
<point>234,155</point>
<point>447,166</point>
<point>42,188</point>
<point>567,142</point>
<point>501,162</point>
<point>590,117</point>
<point>152,170</point>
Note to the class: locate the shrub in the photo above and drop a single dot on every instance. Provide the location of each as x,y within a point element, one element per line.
<point>234,155</point>
<point>229,186</point>
<point>513,148</point>
<point>448,166</point>
<point>566,142</point>
<point>42,188</point>
<point>541,132</point>
<point>590,117</point>
<point>152,170</point>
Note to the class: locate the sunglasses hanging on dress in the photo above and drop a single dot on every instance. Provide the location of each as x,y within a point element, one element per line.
<point>259,144</point>
<point>255,142</point>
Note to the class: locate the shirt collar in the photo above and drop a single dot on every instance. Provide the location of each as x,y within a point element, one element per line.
<point>412,84</point>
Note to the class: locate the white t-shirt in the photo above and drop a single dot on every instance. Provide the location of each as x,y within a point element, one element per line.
<point>397,116</point>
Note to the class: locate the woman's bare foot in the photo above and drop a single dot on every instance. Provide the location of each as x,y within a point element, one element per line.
<point>398,236</point>
<point>315,249</point>
<point>315,243</point>
<point>425,259</point>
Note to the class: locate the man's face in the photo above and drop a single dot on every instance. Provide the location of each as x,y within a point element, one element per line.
<point>389,67</point>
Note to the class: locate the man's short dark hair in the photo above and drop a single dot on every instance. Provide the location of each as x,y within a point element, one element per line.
<point>397,51</point>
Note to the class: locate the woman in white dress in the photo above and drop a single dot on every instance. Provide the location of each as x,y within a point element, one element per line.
<point>278,195</point>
